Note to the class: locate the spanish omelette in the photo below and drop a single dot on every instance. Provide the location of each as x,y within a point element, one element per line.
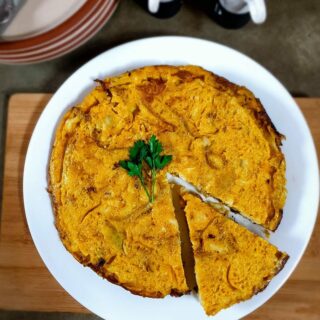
<point>221,140</point>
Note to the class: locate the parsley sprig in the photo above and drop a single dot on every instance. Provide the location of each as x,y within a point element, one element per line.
<point>150,153</point>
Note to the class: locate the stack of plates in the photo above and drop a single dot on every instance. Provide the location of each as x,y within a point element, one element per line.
<point>44,30</point>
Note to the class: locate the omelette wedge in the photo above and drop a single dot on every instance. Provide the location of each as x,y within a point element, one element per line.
<point>231,263</point>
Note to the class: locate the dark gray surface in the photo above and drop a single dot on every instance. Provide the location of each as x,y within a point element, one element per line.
<point>288,44</point>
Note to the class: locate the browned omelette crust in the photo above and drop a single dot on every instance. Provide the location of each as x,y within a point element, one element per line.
<point>221,139</point>
<point>231,263</point>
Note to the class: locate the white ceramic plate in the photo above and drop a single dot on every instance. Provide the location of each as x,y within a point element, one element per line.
<point>111,301</point>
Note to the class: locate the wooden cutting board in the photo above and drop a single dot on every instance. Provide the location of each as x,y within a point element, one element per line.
<point>26,284</point>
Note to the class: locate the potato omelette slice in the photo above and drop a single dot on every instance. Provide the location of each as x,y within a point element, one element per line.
<point>231,263</point>
<point>104,218</point>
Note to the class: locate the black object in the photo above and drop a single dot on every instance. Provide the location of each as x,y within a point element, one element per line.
<point>166,9</point>
<point>224,17</point>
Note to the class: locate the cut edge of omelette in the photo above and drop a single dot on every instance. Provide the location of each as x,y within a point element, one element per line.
<point>247,100</point>
<point>231,263</point>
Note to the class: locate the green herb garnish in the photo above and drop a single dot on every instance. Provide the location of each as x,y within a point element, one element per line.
<point>150,153</point>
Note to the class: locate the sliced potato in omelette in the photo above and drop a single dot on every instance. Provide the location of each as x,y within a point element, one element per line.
<point>231,263</point>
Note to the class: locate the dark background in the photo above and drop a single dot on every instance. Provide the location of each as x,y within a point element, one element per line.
<point>288,44</point>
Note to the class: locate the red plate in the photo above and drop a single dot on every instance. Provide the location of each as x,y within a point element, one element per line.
<point>69,35</point>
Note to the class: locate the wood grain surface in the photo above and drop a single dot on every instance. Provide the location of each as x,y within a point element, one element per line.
<point>26,284</point>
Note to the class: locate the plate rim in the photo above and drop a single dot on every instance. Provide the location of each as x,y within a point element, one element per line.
<point>28,44</point>
<point>39,31</point>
